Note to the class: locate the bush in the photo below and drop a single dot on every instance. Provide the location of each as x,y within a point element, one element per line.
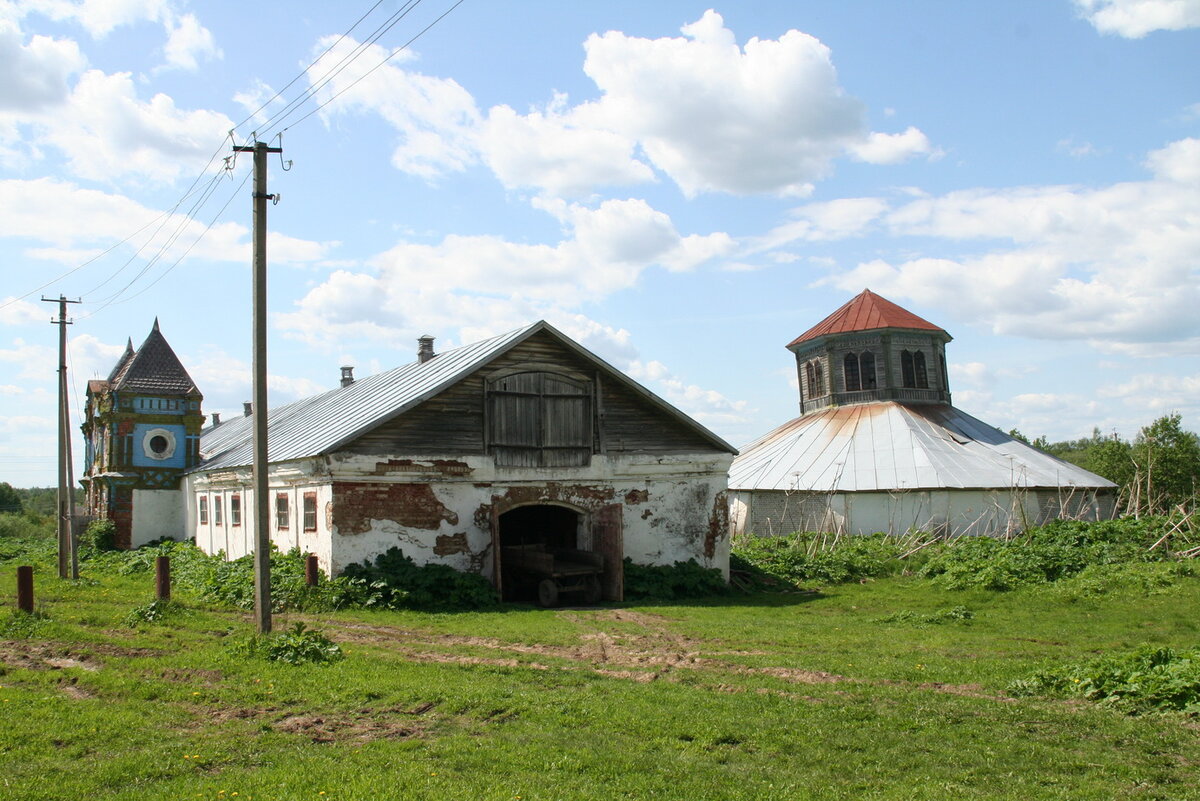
<point>957,614</point>
<point>802,557</point>
<point>154,612</point>
<point>99,536</point>
<point>296,646</point>
<point>1148,679</point>
<point>1045,554</point>
<point>26,526</point>
<point>681,580</point>
<point>395,581</point>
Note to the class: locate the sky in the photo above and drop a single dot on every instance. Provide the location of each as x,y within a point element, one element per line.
<point>682,188</point>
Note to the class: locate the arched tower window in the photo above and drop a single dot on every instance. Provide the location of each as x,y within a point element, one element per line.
<point>859,370</point>
<point>816,378</point>
<point>912,369</point>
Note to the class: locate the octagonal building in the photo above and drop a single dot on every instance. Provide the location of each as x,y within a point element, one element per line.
<point>879,447</point>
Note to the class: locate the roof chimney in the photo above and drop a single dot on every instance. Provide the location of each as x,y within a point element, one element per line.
<point>216,416</point>
<point>425,349</point>
<point>347,375</point>
<point>247,408</point>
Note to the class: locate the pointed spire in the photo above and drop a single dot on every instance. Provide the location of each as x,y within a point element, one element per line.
<point>155,324</point>
<point>154,368</point>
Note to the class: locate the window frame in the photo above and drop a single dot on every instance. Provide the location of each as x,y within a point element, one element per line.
<point>218,508</point>
<point>305,512</point>
<point>283,513</point>
<point>235,510</point>
<point>202,509</point>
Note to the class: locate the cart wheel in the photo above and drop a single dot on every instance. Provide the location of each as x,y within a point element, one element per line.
<point>591,591</point>
<point>547,593</point>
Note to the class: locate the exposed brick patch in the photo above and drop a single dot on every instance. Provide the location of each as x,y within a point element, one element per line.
<point>636,496</point>
<point>448,544</point>
<point>356,504</point>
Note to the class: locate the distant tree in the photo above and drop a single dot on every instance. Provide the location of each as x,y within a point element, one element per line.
<point>10,499</point>
<point>1166,463</point>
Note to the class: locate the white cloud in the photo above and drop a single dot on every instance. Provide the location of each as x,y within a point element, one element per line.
<point>1116,265</point>
<point>187,42</point>
<point>21,312</point>
<point>99,17</point>
<point>36,74</point>
<point>766,117</point>
<point>561,152</point>
<point>882,148</point>
<point>708,406</point>
<point>436,118</point>
<point>1133,19</point>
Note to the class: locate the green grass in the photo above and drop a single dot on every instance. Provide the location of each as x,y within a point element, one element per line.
<point>866,690</point>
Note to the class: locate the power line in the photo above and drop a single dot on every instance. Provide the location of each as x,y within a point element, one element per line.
<point>385,60</point>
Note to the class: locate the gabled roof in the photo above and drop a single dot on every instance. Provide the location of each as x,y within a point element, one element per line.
<point>154,369</point>
<point>890,446</point>
<point>123,362</point>
<point>866,311</point>
<point>325,422</point>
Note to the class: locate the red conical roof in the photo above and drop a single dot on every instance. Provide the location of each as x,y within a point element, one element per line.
<point>865,312</point>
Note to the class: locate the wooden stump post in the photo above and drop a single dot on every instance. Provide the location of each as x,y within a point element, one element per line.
<point>162,578</point>
<point>25,588</point>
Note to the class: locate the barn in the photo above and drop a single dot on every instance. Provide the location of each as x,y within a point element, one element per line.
<point>879,447</point>
<point>474,458</point>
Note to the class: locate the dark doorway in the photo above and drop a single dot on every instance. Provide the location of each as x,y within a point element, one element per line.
<point>540,558</point>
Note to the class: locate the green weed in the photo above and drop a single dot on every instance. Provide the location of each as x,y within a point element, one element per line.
<point>298,645</point>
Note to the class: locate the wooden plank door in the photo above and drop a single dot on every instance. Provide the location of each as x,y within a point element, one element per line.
<point>608,538</point>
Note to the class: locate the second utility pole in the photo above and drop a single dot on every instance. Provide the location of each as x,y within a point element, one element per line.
<point>262,508</point>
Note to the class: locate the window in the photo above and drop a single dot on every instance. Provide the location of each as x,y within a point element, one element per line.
<point>310,511</point>
<point>218,504</point>
<point>539,419</point>
<point>816,378</point>
<point>235,510</point>
<point>203,510</point>
<point>281,511</point>
<point>912,369</point>
<point>859,371</point>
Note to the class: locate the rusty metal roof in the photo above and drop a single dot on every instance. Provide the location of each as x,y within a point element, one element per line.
<point>325,422</point>
<point>866,311</point>
<point>891,446</point>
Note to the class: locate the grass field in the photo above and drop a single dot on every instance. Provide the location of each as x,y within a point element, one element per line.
<point>844,693</point>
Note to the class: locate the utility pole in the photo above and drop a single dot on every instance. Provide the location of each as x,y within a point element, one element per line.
<point>68,558</point>
<point>262,506</point>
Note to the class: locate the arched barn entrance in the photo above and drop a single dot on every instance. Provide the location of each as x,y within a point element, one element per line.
<point>545,554</point>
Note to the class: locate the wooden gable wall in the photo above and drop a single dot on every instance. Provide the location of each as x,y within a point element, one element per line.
<point>453,422</point>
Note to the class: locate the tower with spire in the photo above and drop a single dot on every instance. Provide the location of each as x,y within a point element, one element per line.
<point>142,431</point>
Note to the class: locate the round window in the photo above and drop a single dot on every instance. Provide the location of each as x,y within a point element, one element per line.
<point>159,444</point>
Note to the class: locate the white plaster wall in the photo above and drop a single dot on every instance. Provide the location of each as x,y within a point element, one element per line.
<point>670,526</point>
<point>157,514</point>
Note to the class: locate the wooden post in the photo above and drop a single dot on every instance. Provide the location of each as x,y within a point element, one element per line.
<point>312,572</point>
<point>162,578</point>
<point>25,588</point>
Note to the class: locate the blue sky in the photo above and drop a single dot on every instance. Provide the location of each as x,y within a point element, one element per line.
<point>682,188</point>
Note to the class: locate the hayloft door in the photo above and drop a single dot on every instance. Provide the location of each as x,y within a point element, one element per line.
<point>608,538</point>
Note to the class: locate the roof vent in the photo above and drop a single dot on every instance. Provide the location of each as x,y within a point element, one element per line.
<point>347,375</point>
<point>216,416</point>
<point>425,349</point>
<point>247,408</point>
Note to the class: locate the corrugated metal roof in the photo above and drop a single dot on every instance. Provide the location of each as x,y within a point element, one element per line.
<point>864,312</point>
<point>892,446</point>
<point>325,422</point>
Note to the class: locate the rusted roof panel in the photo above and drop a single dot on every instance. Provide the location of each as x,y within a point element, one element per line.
<point>865,312</point>
<point>892,446</point>
<point>323,423</point>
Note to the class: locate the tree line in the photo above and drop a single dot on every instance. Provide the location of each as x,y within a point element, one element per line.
<point>1157,472</point>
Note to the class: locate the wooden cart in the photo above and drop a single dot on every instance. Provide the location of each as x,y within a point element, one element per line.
<point>556,571</point>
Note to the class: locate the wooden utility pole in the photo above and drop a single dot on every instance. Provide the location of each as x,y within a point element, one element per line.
<point>68,558</point>
<point>262,506</point>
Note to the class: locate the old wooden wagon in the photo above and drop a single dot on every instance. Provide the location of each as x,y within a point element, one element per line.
<point>556,571</point>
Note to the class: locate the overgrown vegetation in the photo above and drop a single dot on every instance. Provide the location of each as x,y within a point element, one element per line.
<point>395,581</point>
<point>669,583</point>
<point>298,645</point>
<point>814,557</point>
<point>1147,679</point>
